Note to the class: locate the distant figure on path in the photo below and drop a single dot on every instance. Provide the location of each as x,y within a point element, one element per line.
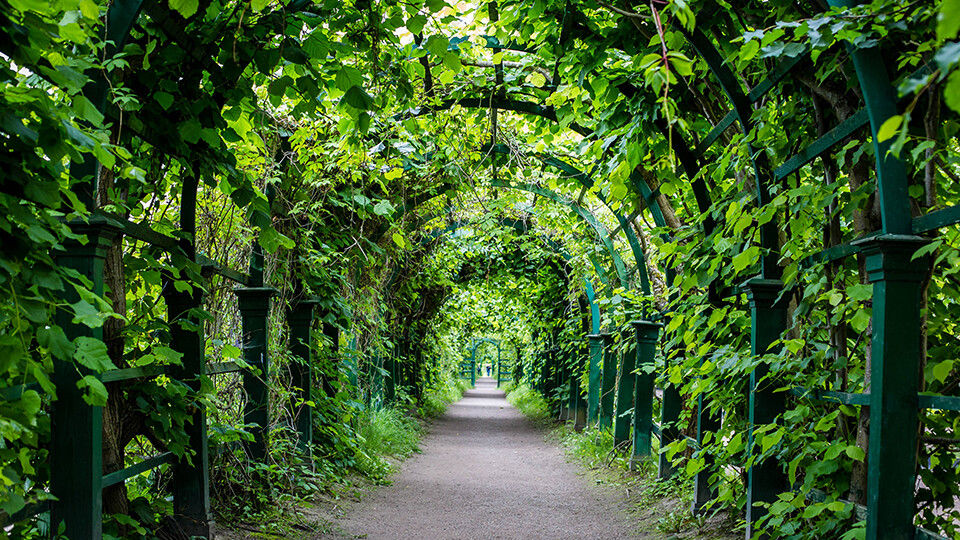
<point>488,370</point>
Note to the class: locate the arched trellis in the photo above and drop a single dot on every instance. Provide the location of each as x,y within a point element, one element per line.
<point>477,342</point>
<point>588,286</point>
<point>520,227</point>
<point>525,107</point>
<point>886,510</point>
<point>582,213</point>
<point>586,181</point>
<point>896,219</point>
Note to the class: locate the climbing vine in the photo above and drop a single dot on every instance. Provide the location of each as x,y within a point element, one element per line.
<point>431,172</point>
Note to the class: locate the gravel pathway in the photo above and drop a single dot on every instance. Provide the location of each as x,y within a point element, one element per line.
<point>486,472</point>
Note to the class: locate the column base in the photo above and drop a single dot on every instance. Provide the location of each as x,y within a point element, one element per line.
<point>186,528</point>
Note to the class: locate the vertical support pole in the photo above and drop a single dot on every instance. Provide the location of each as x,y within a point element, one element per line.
<point>563,377</point>
<point>556,360</point>
<point>191,484</point>
<point>545,372</point>
<point>76,465</point>
<point>403,363</point>
<point>254,307</point>
<point>765,480</point>
<point>626,385</point>
<point>608,381</point>
<point>300,321</point>
<point>518,368</point>
<point>646,333</point>
<point>595,342</point>
<point>669,425</point>
<point>352,362</point>
<point>547,375</point>
<point>388,378</point>
<point>332,371</point>
<point>707,422</point>
<point>575,404</point>
<point>473,366</point>
<point>375,371</point>
<point>893,383</point>
<point>541,381</point>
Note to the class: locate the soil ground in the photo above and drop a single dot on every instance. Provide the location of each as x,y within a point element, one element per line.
<point>486,472</point>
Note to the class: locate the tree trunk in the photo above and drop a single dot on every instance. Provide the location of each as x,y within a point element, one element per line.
<point>115,499</point>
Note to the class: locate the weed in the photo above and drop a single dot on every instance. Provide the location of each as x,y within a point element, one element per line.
<point>593,447</point>
<point>674,522</point>
<point>528,401</point>
<point>389,432</point>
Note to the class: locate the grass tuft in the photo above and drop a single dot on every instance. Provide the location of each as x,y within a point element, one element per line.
<point>528,401</point>
<point>390,432</point>
<point>593,447</point>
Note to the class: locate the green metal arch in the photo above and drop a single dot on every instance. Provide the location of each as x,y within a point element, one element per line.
<point>763,173</point>
<point>580,176</point>
<point>588,285</point>
<point>685,153</point>
<point>587,181</point>
<point>583,213</point>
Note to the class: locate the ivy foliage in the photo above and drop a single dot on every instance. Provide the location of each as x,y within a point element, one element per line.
<point>317,144</point>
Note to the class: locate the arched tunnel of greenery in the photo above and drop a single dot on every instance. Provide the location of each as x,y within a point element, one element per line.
<point>232,230</point>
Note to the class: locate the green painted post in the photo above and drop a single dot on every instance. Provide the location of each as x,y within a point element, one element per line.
<point>707,422</point>
<point>556,379</point>
<point>473,366</point>
<point>607,382</point>
<point>549,375</point>
<point>545,367</point>
<point>300,321</point>
<point>375,371</point>
<point>191,481</point>
<point>670,411</point>
<point>403,363</point>
<point>893,383</point>
<point>593,382</point>
<point>76,446</point>
<point>254,307</point>
<point>352,363</point>
<point>389,378</point>
<point>765,480</point>
<point>646,333</point>
<point>331,375</point>
<point>574,390</point>
<point>563,377</point>
<point>544,371</point>
<point>626,388</point>
<point>518,370</point>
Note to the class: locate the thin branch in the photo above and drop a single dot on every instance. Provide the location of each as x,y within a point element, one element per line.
<point>625,13</point>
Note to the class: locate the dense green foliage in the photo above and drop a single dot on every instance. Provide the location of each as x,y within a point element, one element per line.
<point>348,151</point>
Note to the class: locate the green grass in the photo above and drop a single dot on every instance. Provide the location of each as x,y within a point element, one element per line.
<point>593,447</point>
<point>390,432</point>
<point>661,508</point>
<point>528,401</point>
<point>435,400</point>
<point>394,432</point>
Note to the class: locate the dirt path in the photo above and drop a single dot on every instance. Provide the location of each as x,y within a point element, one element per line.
<point>486,472</point>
